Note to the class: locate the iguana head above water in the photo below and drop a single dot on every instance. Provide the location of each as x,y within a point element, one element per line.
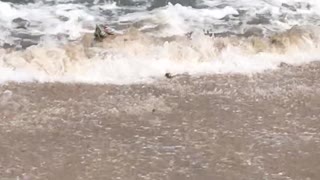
<point>102,31</point>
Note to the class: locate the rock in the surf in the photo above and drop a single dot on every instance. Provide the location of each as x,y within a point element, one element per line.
<point>169,75</point>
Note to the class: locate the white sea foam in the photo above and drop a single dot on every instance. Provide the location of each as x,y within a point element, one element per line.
<point>141,57</point>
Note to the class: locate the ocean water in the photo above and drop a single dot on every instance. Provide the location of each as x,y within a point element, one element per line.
<point>196,37</point>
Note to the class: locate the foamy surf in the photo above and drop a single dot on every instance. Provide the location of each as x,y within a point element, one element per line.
<point>248,37</point>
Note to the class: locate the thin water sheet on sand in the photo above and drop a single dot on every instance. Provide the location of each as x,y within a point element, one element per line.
<point>264,126</point>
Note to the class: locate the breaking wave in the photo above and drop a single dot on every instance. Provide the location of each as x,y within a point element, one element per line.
<point>59,45</point>
<point>135,56</point>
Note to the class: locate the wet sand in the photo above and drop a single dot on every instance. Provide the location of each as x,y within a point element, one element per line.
<point>217,127</point>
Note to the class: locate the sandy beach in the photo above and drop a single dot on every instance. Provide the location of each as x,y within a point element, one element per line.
<point>263,126</point>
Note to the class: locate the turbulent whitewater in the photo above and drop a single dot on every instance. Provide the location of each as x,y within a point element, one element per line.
<point>158,37</point>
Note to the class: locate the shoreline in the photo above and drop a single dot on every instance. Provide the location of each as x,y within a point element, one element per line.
<point>264,126</point>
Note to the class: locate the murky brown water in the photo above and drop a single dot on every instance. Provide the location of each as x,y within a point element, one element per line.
<point>230,127</point>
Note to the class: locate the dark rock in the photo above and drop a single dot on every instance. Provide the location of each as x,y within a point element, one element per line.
<point>169,75</point>
<point>20,23</point>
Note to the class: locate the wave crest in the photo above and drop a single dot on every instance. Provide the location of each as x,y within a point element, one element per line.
<point>136,56</point>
